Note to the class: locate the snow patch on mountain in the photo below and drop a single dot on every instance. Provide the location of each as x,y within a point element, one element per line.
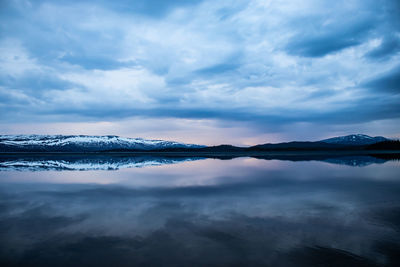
<point>84,143</point>
<point>355,139</point>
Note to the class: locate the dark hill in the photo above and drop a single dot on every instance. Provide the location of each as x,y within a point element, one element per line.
<point>385,145</point>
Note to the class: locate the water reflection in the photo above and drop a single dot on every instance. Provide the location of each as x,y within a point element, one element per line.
<point>84,162</point>
<point>237,212</point>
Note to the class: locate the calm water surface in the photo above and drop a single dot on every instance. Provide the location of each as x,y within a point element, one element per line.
<point>203,212</point>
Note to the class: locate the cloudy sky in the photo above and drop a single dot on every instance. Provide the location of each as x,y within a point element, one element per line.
<point>240,72</point>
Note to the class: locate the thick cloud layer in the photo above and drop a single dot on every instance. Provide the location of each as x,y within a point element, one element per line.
<point>258,64</point>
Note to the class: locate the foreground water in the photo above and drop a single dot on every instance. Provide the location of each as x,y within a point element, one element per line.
<point>199,212</point>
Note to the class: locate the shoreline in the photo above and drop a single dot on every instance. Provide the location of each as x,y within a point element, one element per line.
<point>215,154</point>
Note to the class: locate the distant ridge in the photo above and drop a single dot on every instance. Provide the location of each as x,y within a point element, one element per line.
<point>82,143</point>
<point>111,143</point>
<point>355,139</point>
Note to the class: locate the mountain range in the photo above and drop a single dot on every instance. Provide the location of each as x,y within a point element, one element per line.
<point>355,139</point>
<point>82,143</point>
<point>86,143</point>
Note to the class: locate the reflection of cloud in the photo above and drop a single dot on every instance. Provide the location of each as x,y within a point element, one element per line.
<point>279,220</point>
<point>186,237</point>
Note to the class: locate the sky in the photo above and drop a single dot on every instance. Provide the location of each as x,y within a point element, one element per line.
<point>208,72</point>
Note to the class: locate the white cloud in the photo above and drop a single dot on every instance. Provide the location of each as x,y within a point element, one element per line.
<point>128,86</point>
<point>14,59</point>
<point>216,56</point>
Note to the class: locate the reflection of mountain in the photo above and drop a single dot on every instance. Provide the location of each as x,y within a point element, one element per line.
<point>85,163</point>
<point>356,160</point>
<point>81,162</point>
<point>341,159</point>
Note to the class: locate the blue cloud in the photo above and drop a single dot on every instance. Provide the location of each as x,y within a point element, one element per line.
<point>96,62</point>
<point>155,8</point>
<point>243,62</point>
<point>389,47</point>
<point>218,69</point>
<point>329,40</point>
<point>386,83</point>
<point>36,83</point>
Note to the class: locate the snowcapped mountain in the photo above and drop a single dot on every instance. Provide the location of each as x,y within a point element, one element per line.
<point>354,139</point>
<point>82,143</point>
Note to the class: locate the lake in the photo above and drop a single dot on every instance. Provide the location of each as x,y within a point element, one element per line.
<point>154,211</point>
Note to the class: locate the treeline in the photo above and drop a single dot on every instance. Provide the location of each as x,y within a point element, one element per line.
<point>291,146</point>
<point>385,145</point>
